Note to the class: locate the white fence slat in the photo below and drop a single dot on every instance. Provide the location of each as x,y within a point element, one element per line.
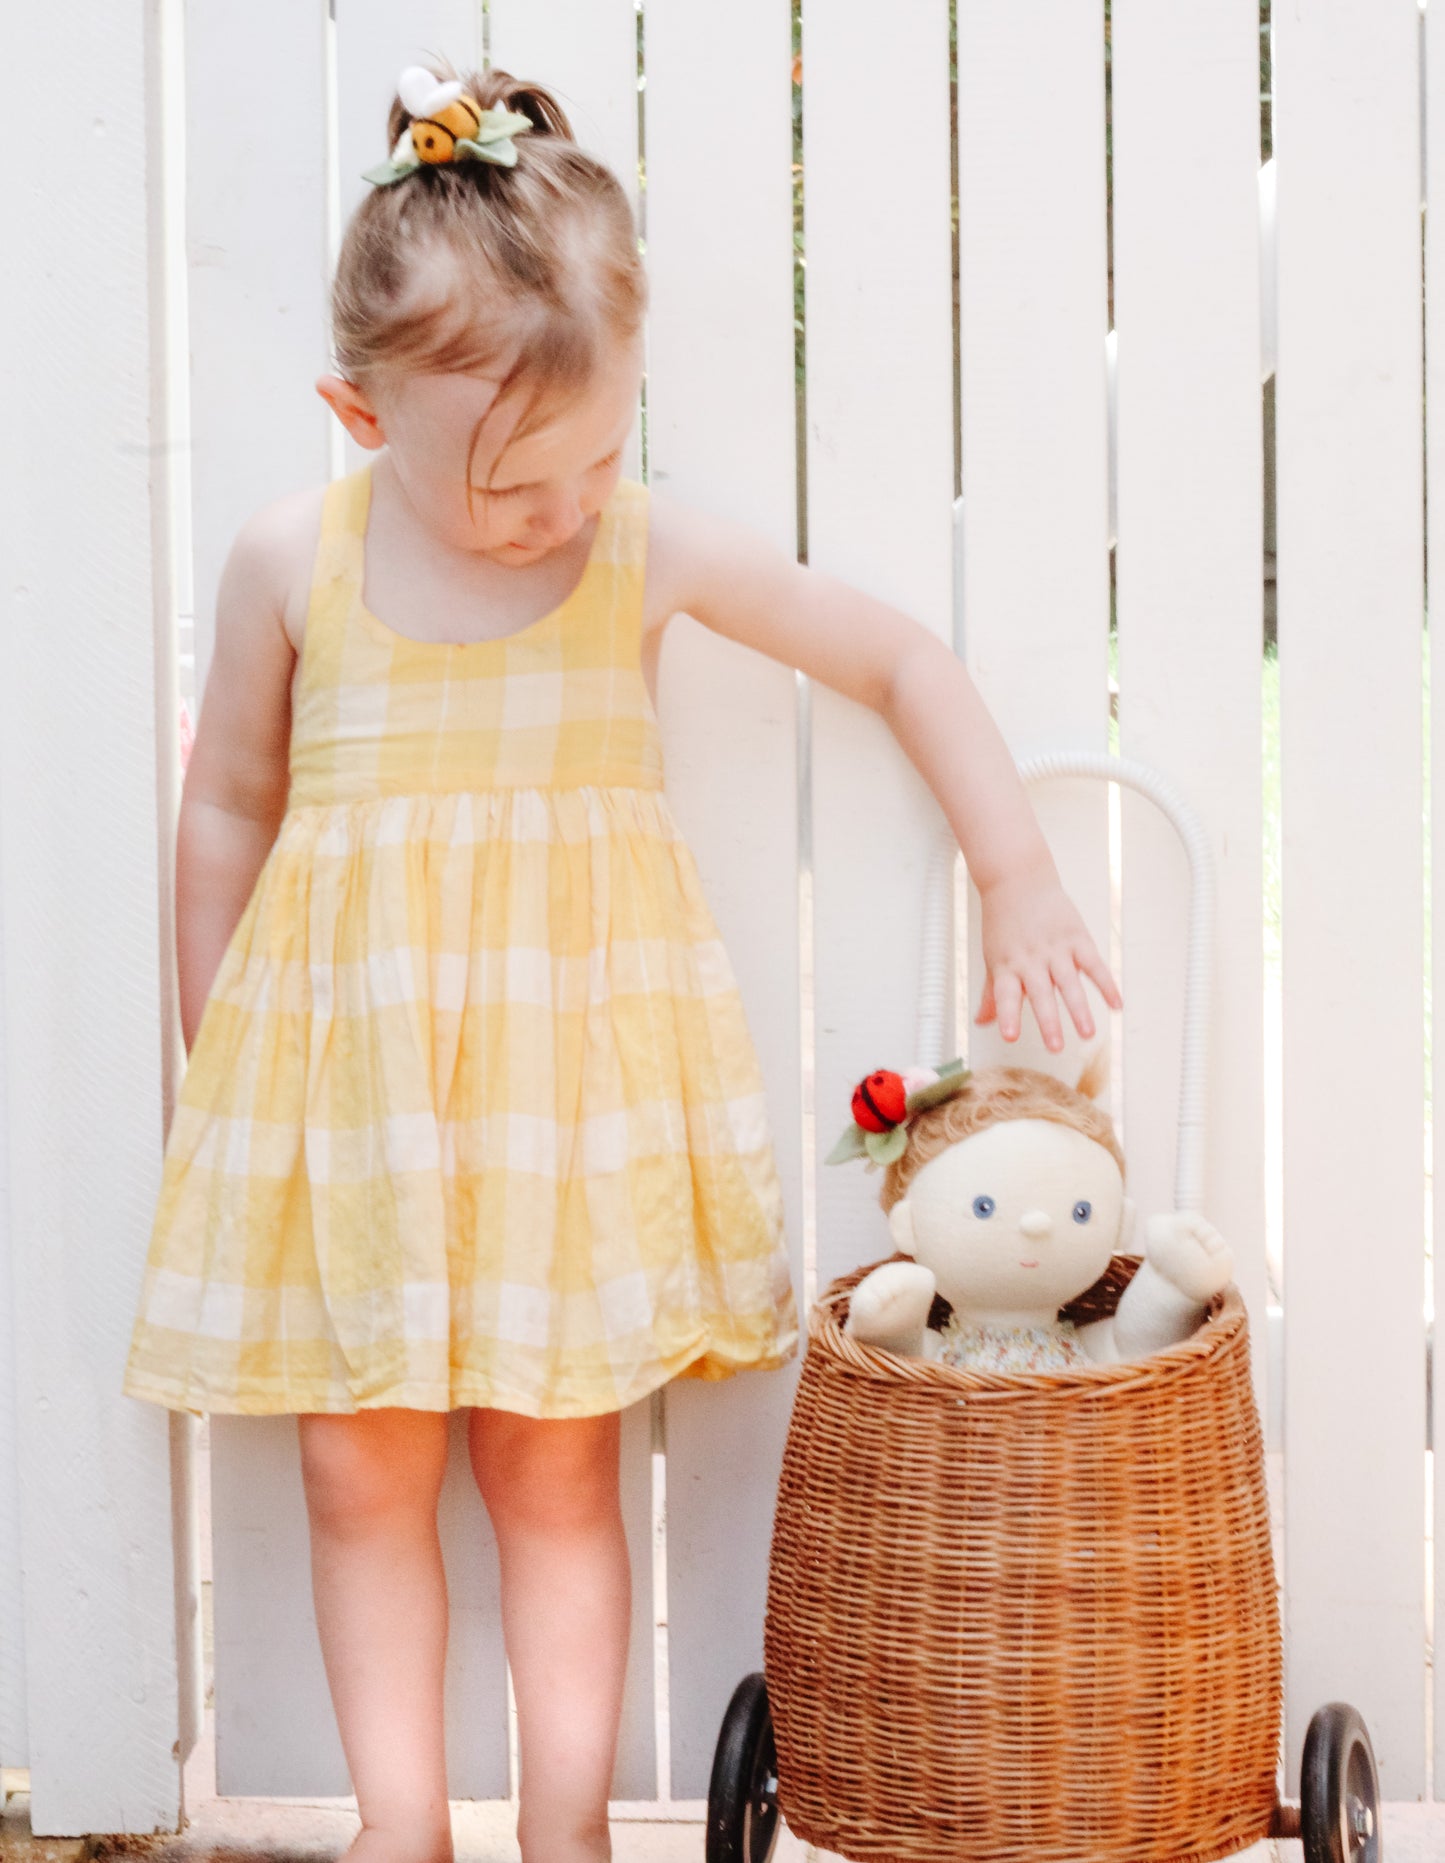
<point>880,515</point>
<point>287,1744</point>
<point>1350,614</point>
<point>85,706</point>
<point>1034,594</point>
<point>719,207</point>
<point>259,1746</point>
<point>256,233</point>
<point>371,50</point>
<point>585,53</point>
<point>1190,594</point>
<point>1434,78</point>
<point>14,1722</point>
<point>258,271</point>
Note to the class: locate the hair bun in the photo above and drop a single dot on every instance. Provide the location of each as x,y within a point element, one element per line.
<point>500,90</point>
<point>489,90</point>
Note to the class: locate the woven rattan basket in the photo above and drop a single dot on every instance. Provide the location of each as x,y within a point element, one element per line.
<point>1031,1618</point>
<point>1025,1619</point>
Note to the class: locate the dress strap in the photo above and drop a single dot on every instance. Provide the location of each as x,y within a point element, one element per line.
<point>335,573</point>
<point>343,525</point>
<point>620,560</point>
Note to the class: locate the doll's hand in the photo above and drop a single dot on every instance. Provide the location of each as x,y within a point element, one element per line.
<point>889,1307</point>
<point>1189,1253</point>
<point>1033,943</point>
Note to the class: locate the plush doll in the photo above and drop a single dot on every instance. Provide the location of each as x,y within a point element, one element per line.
<point>1006,1188</point>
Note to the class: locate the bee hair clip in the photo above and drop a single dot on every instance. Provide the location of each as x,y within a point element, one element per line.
<point>446,126</point>
<point>883,1104</point>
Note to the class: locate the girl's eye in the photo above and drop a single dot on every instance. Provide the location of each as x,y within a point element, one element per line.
<point>511,491</point>
<point>1083,1210</point>
<point>984,1207</point>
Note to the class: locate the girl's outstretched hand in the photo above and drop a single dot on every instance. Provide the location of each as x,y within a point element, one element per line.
<point>1034,942</point>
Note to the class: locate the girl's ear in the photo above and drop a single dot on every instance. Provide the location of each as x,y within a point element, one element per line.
<point>353,410</point>
<point>900,1226</point>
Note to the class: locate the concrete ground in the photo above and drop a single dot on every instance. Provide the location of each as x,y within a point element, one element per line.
<point>248,1830</point>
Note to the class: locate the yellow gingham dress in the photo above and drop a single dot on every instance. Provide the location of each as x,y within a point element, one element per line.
<point>472,1115</point>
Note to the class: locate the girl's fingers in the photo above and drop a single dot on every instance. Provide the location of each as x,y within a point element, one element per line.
<point>1008,999</point>
<point>1072,990</point>
<point>1004,992</point>
<point>1089,961</point>
<point>1040,986</point>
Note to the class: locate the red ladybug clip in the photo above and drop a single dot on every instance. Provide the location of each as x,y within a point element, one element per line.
<point>883,1104</point>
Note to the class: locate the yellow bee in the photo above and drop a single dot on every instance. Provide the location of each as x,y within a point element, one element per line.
<point>440,114</point>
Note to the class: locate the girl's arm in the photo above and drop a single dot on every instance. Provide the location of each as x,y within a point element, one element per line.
<point>737,584</point>
<point>236,779</point>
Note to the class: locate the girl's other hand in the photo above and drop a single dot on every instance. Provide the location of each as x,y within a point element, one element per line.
<point>1035,942</point>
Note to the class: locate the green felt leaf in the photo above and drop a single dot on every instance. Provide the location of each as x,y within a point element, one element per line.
<point>501,122</point>
<point>884,1147</point>
<point>849,1146</point>
<point>504,154</point>
<point>384,173</point>
<point>953,1076</point>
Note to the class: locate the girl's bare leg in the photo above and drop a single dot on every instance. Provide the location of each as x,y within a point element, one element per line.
<point>372,1483</point>
<point>550,1486</point>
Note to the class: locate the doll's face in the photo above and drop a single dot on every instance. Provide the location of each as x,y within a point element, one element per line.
<point>1020,1218</point>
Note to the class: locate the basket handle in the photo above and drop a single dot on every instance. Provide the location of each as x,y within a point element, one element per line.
<point>1198,977</point>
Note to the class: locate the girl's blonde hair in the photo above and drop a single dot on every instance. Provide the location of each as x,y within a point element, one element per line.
<point>990,1097</point>
<point>463,265</point>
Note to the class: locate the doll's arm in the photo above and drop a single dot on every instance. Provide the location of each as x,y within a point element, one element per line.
<point>1186,1263</point>
<point>890,1307</point>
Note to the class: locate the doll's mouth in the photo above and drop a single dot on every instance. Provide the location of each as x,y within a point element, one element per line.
<point>1028,1264</point>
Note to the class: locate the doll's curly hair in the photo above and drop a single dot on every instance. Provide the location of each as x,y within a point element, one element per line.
<point>991,1096</point>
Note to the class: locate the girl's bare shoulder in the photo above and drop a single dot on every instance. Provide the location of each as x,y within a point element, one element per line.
<point>688,552</point>
<point>286,533</point>
<point>272,558</point>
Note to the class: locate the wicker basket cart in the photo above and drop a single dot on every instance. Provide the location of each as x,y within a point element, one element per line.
<point>1033,1618</point>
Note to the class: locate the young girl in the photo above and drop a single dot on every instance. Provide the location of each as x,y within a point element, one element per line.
<point>472,1118</point>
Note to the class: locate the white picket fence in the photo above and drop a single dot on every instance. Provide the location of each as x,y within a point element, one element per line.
<point>170,225</point>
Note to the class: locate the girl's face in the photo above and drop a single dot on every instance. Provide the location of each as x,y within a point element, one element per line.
<point>546,484</point>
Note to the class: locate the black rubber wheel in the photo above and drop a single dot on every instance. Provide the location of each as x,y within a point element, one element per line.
<point>742,1795</point>
<point>1339,1789</point>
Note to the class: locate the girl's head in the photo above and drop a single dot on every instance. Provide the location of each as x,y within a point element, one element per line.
<point>487,322</point>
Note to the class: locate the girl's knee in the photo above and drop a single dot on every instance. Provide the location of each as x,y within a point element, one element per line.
<point>372,1463</point>
<point>546,1472</point>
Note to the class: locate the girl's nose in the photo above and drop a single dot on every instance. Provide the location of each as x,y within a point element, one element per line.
<point>1036,1224</point>
<point>557,520</point>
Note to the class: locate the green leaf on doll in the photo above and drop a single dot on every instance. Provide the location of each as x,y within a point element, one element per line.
<point>884,1147</point>
<point>849,1146</point>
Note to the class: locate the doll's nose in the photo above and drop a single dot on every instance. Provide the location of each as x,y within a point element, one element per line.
<point>1036,1224</point>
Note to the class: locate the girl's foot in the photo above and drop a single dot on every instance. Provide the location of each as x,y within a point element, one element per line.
<point>381,1846</point>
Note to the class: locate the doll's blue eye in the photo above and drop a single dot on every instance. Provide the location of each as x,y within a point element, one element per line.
<point>984,1206</point>
<point>1083,1210</point>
